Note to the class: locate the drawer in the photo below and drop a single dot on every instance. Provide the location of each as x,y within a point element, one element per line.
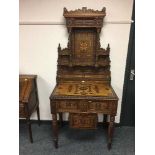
<point>107,107</point>
<point>88,106</point>
<point>67,106</point>
<point>83,106</point>
<point>83,120</point>
<point>99,106</point>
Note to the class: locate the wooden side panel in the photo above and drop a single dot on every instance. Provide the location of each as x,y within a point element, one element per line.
<point>32,104</point>
<point>27,95</point>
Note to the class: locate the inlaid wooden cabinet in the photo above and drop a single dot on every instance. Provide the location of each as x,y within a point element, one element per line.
<point>83,79</point>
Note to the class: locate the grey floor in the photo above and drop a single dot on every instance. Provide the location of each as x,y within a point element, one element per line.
<point>76,142</point>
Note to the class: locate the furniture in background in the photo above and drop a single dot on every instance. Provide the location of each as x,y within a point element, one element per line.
<point>83,87</point>
<point>28,99</point>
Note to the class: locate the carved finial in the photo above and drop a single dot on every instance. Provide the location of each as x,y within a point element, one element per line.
<point>59,47</point>
<point>65,10</point>
<point>84,8</point>
<point>108,47</point>
<point>103,9</point>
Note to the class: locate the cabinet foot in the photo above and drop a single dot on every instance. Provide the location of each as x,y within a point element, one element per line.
<point>109,146</point>
<point>55,143</point>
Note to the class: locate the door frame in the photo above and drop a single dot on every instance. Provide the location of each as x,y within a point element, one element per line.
<point>131,48</point>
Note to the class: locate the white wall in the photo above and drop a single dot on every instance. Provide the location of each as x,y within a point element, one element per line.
<point>38,43</point>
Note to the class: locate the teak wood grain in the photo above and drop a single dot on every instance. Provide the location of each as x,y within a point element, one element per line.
<point>83,79</point>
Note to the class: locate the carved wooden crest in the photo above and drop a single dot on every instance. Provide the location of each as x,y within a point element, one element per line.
<point>84,12</point>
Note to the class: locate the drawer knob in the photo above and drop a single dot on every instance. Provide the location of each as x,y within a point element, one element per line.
<point>89,101</point>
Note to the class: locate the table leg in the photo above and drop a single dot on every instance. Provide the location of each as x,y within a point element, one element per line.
<point>30,130</point>
<point>55,130</point>
<point>110,130</point>
<point>61,119</point>
<point>37,99</point>
<point>104,119</point>
<point>38,115</point>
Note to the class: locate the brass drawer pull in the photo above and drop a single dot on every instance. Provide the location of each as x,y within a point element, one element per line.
<point>90,101</point>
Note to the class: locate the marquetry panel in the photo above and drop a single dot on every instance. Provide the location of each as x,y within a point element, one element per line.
<point>83,120</point>
<point>83,88</point>
<point>83,46</point>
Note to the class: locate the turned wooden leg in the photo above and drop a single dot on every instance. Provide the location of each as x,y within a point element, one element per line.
<point>55,130</point>
<point>61,119</point>
<point>37,99</point>
<point>38,115</point>
<point>30,130</point>
<point>104,119</point>
<point>110,131</point>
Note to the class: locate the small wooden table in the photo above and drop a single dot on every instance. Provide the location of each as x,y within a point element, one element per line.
<point>28,99</point>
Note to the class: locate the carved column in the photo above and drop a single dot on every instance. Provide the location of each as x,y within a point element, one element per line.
<point>69,45</point>
<point>98,38</point>
<point>104,119</point>
<point>110,130</point>
<point>97,45</point>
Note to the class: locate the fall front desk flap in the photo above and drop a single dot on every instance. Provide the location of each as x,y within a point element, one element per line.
<point>84,89</point>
